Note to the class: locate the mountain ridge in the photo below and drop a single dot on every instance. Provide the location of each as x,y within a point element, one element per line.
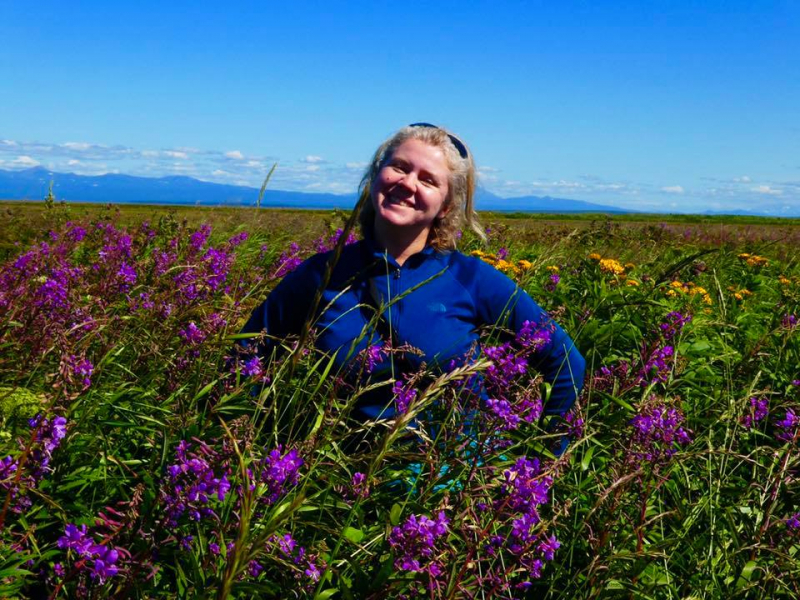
<point>33,184</point>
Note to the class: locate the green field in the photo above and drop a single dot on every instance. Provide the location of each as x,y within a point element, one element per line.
<point>189,468</point>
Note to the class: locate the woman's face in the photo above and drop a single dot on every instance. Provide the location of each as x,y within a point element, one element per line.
<point>411,188</point>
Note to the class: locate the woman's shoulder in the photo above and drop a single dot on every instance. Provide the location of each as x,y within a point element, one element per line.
<point>473,266</point>
<point>314,266</point>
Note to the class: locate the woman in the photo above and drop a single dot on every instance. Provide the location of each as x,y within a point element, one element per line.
<point>416,195</point>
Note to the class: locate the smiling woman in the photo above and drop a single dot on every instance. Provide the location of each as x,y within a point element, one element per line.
<point>404,297</point>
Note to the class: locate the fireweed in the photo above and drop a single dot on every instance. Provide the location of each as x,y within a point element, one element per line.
<point>163,465</point>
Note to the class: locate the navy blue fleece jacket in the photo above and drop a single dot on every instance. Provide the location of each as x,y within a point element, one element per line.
<point>437,302</point>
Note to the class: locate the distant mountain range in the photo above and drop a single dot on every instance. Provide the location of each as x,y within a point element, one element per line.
<point>33,184</point>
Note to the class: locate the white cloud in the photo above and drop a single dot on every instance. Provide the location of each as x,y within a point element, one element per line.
<point>25,161</point>
<point>765,189</point>
<point>488,170</point>
<point>76,145</point>
<point>311,158</point>
<point>312,168</point>
<point>235,155</point>
<point>8,142</point>
<point>175,154</point>
<point>673,189</point>
<point>742,179</point>
<point>150,153</point>
<point>72,162</point>
<point>356,165</point>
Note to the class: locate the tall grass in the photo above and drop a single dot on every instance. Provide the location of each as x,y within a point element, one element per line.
<point>163,464</point>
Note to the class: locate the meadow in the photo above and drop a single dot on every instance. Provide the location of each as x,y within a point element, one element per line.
<point>142,457</point>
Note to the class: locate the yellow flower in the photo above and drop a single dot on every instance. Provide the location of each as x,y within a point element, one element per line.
<point>784,281</point>
<point>524,264</point>
<point>738,296</point>
<point>609,265</point>
<point>632,283</point>
<point>676,284</point>
<point>757,261</point>
<point>553,269</point>
<point>754,260</point>
<point>595,256</point>
<point>671,293</point>
<point>478,253</point>
<point>630,266</point>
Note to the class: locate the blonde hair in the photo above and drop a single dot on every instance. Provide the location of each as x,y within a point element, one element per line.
<point>459,204</point>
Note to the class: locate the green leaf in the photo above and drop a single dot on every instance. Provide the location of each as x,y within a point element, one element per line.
<point>353,534</point>
<point>587,458</point>
<point>394,514</point>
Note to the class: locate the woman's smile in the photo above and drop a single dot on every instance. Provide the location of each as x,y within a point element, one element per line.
<point>411,188</point>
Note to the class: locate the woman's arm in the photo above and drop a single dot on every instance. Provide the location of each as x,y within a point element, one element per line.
<point>286,308</point>
<point>501,301</point>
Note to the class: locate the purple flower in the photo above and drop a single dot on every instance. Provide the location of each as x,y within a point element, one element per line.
<point>793,522</point>
<point>199,238</point>
<point>535,336</point>
<point>254,568</point>
<point>76,539</point>
<point>502,254</point>
<point>192,484</point>
<point>789,321</point>
<point>548,547</point>
<point>105,563</point>
<point>288,261</point>
<point>525,487</point>
<point>404,395</point>
<point>554,280</point>
<point>655,368</point>
<point>789,426</point>
<point>657,433</point>
<point>126,276</point>
<point>192,334</point>
<point>82,369</point>
<point>102,559</point>
<point>414,542</point>
<point>373,355</point>
<point>238,239</point>
<point>252,367</point>
<point>673,324</point>
<point>280,472</point>
<point>358,485</point>
<point>759,409</point>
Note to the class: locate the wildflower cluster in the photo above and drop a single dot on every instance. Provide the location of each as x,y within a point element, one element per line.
<point>100,561</point>
<point>758,410</point>
<point>279,472</point>
<point>753,260</point>
<point>511,399</point>
<point>414,544</point>
<point>678,288</point>
<point>23,473</point>
<point>195,482</point>
<point>500,262</point>
<point>519,530</point>
<point>657,433</point>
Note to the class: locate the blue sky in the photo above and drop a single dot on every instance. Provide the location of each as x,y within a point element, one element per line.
<point>650,105</point>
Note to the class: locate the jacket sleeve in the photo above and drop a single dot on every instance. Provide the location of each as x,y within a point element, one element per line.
<point>501,301</point>
<point>286,308</point>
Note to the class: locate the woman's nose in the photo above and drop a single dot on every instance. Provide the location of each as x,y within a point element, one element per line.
<point>409,181</point>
